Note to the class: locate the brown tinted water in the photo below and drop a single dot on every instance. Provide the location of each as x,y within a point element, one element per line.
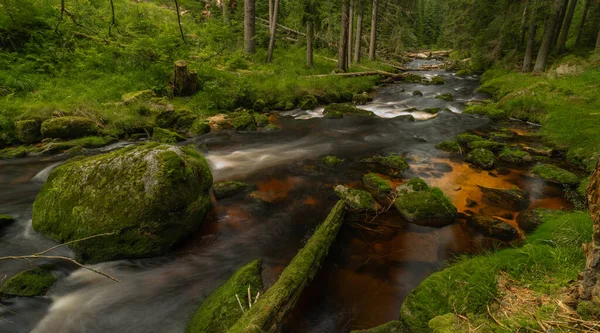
<point>368,272</point>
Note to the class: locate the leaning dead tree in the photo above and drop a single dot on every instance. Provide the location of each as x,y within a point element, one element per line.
<point>185,83</point>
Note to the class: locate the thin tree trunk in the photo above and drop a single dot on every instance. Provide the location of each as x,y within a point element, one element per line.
<point>179,21</point>
<point>350,30</point>
<point>113,22</point>
<point>598,42</point>
<point>373,44</point>
<point>524,20</point>
<point>542,57</point>
<point>590,286</point>
<point>343,47</point>
<point>310,32</point>
<point>271,15</point>
<point>225,8</point>
<point>273,31</point>
<point>586,9</point>
<point>359,22</point>
<point>564,34</point>
<point>531,38</point>
<point>559,23</point>
<point>249,26</point>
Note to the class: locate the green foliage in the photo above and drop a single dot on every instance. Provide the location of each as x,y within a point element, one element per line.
<point>30,283</point>
<point>449,145</point>
<point>332,161</point>
<point>373,181</point>
<point>555,174</point>
<point>482,158</point>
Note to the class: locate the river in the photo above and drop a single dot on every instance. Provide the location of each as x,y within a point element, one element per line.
<point>367,274</point>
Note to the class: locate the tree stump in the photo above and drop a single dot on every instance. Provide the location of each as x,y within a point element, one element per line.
<point>185,83</point>
<point>590,286</point>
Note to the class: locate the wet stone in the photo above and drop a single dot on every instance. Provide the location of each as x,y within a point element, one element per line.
<point>493,227</point>
<point>511,199</point>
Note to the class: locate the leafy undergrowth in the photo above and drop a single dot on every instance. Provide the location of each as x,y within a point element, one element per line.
<point>544,266</point>
<point>566,105</point>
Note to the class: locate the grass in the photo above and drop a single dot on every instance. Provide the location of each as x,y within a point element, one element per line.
<point>548,261</point>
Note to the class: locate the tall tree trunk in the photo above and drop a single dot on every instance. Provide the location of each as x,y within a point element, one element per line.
<point>225,8</point>
<point>559,23</point>
<point>531,38</point>
<point>359,22</point>
<point>524,20</point>
<point>373,44</point>
<point>350,30</point>
<point>590,286</point>
<point>179,20</point>
<point>343,47</point>
<point>586,9</point>
<point>310,33</point>
<point>271,14</point>
<point>564,33</point>
<point>542,57</point>
<point>249,26</point>
<point>598,42</point>
<point>273,31</point>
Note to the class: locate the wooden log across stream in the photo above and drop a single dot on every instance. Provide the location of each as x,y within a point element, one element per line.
<point>269,311</point>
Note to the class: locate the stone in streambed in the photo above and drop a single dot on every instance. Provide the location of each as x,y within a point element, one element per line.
<point>449,146</point>
<point>488,144</point>
<point>515,156</point>
<point>391,165</point>
<point>446,97</point>
<point>227,189</point>
<point>151,196</point>
<point>356,200</point>
<point>30,283</point>
<point>482,158</point>
<point>165,136</point>
<point>28,131</point>
<point>510,199</point>
<point>6,220</point>
<point>529,220</point>
<point>332,161</point>
<point>555,174</point>
<point>376,183</point>
<point>338,110</point>
<point>361,99</point>
<point>423,205</point>
<point>417,93</point>
<point>244,122</point>
<point>493,227</point>
<point>68,127</point>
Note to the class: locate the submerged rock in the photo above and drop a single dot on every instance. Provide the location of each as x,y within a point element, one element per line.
<point>151,197</point>
<point>423,205</point>
<point>30,283</point>
<point>493,227</point>
<point>271,128</point>
<point>220,310</point>
<point>555,174</point>
<point>356,200</point>
<point>332,161</point>
<point>227,189</point>
<point>511,199</point>
<point>417,93</point>
<point>68,127</point>
<point>482,158</point>
<point>6,220</point>
<point>391,165</point>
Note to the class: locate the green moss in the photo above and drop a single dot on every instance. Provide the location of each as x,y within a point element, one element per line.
<point>68,127</point>
<point>391,327</point>
<point>555,174</point>
<point>200,128</point>
<point>345,109</point>
<point>449,146</point>
<point>437,80</point>
<point>165,136</point>
<point>308,102</point>
<point>482,158</point>
<point>467,138</point>
<point>588,310</point>
<point>152,196</point>
<point>582,188</point>
<point>138,96</point>
<point>261,119</point>
<point>332,161</point>
<point>417,93</point>
<point>412,78</point>
<point>391,165</point>
<point>464,72</point>
<point>28,131</point>
<point>447,323</point>
<point>432,110</point>
<point>244,122</point>
<point>14,152</point>
<point>259,105</point>
<point>85,142</point>
<point>30,283</point>
<point>361,99</point>
<point>221,310</point>
<point>493,227</point>
<point>228,189</point>
<point>373,181</point>
<point>445,97</point>
<point>280,299</point>
<point>180,119</point>
<point>356,200</point>
<point>488,144</point>
<point>515,156</point>
<point>424,205</point>
<point>271,128</point>
<point>6,220</point>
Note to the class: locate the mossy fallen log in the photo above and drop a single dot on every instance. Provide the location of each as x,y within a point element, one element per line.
<point>267,314</point>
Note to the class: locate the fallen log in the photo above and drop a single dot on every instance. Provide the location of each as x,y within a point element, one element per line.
<point>267,314</point>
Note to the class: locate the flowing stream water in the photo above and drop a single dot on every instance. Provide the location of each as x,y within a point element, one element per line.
<point>367,274</point>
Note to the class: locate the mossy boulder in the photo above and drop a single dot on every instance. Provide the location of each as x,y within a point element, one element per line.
<point>445,97</point>
<point>356,200</point>
<point>150,197</point>
<point>529,220</point>
<point>200,127</point>
<point>555,175</point>
<point>466,138</point>
<point>423,205</point>
<point>30,283</point>
<point>376,183</point>
<point>391,327</point>
<point>332,161</point>
<point>361,99</point>
<point>6,220</point>
<point>488,144</point>
<point>510,199</point>
<point>417,93</point>
<point>308,102</point>
<point>449,146</point>
<point>220,311</point>
<point>14,152</point>
<point>165,136</point>
<point>436,80</point>
<point>28,131</point>
<point>345,109</point>
<point>68,127</point>
<point>138,96</point>
<point>493,227</point>
<point>271,128</point>
<point>391,165</point>
<point>412,78</point>
<point>244,122</point>
<point>259,105</point>
<point>180,119</point>
<point>515,156</point>
<point>227,189</point>
<point>261,119</point>
<point>483,158</point>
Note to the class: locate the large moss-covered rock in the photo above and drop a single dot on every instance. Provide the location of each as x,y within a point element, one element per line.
<point>391,327</point>
<point>493,227</point>
<point>200,127</point>
<point>308,102</point>
<point>424,205</point>
<point>391,165</point>
<point>227,189</point>
<point>482,158</point>
<point>151,197</point>
<point>466,138</point>
<point>510,199</point>
<point>30,283</point>
<point>555,174</point>
<point>28,131</point>
<point>345,109</point>
<point>515,156</point>
<point>376,183</point>
<point>180,119</point>
<point>356,200</point>
<point>244,122</point>
<point>6,220</point>
<point>221,310</point>
<point>361,99</point>
<point>449,146</point>
<point>68,127</point>
<point>165,136</point>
